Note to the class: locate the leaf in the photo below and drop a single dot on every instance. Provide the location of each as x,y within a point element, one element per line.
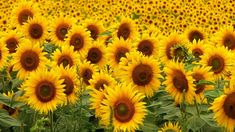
<point>205,82</point>
<point>8,121</point>
<point>16,83</point>
<point>208,118</point>
<point>105,33</point>
<point>195,123</point>
<point>9,102</point>
<point>149,127</point>
<point>135,16</point>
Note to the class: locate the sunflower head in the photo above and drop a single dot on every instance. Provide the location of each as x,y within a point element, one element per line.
<point>226,37</point>
<point>94,27</point>
<point>170,127</point>
<point>196,34</point>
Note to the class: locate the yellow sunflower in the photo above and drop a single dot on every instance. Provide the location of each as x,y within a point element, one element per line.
<point>86,71</point>
<point>123,105</point>
<point>126,29</point>
<point>66,57</point>
<point>223,107</point>
<point>195,33</point>
<point>71,83</point>
<point>94,27</point>
<point>28,57</point>
<point>201,73</point>
<point>36,29</point>
<point>170,127</point>
<point>219,59</point>
<point>178,82</point>
<point>59,29</point>
<point>3,55</point>
<point>143,72</point>
<point>95,54</point>
<point>45,91</point>
<point>11,111</point>
<point>79,38</point>
<point>12,39</point>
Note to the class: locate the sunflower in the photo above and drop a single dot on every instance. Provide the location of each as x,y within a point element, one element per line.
<point>126,29</point>
<point>66,57</point>
<point>71,83</point>
<point>86,70</point>
<point>223,108</point>
<point>117,50</point>
<point>12,39</point>
<point>28,57</point>
<point>79,38</point>
<point>23,11</point>
<point>45,91</point>
<point>95,54</point>
<point>170,127</point>
<point>195,33</point>
<point>173,47</point>
<point>179,82</point>
<point>219,59</point>
<point>147,45</point>
<point>201,73</point>
<point>124,106</point>
<point>226,37</point>
<point>97,85</point>
<point>143,72</point>
<point>60,29</point>
<point>11,111</point>
<point>36,29</point>
<point>94,27</point>
<point>3,55</point>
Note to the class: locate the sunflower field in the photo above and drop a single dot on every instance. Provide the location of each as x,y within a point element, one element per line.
<point>117,65</point>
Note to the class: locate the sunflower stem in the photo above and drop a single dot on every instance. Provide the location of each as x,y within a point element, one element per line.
<point>198,112</point>
<point>51,121</point>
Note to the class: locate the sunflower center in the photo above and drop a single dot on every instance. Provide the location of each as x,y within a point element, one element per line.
<point>36,31</point>
<point>94,31</point>
<point>146,47</point>
<point>124,110</point>
<point>217,63</point>
<point>197,35</point>
<point>9,109</point>
<point>124,31</point>
<point>45,91</point>
<point>142,74</point>
<point>179,53</point>
<point>24,15</point>
<point>199,87</point>
<point>87,75</point>
<point>170,130</point>
<point>12,44</point>
<point>169,46</point>
<point>29,60</point>
<point>179,81</point>
<point>120,52</point>
<point>69,86</point>
<point>61,31</point>
<point>65,60</point>
<point>100,84</point>
<point>77,41</point>
<point>94,55</point>
<point>229,41</point>
<point>229,105</point>
<point>197,53</point>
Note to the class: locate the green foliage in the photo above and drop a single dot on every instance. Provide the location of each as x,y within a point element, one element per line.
<point>8,121</point>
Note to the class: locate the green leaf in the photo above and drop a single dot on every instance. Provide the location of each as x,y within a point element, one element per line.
<point>8,121</point>
<point>135,16</point>
<point>149,127</point>
<point>205,82</point>
<point>195,123</point>
<point>16,83</point>
<point>105,33</point>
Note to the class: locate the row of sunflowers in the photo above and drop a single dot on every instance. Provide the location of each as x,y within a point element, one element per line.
<point>140,65</point>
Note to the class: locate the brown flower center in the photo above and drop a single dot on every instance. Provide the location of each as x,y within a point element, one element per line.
<point>62,30</point>
<point>146,47</point>
<point>77,41</point>
<point>124,110</point>
<point>10,110</point>
<point>100,84</point>
<point>12,44</point>
<point>217,63</point>
<point>142,74</point>
<point>36,31</point>
<point>45,91</point>
<point>94,55</point>
<point>195,34</point>
<point>65,60</point>
<point>199,87</point>
<point>86,75</point>
<point>169,47</point>
<point>69,86</point>
<point>179,81</point>
<point>120,52</point>
<point>124,31</point>
<point>229,41</point>
<point>197,52</point>
<point>29,60</point>
<point>229,105</point>
<point>94,31</point>
<point>179,53</point>
<point>24,15</point>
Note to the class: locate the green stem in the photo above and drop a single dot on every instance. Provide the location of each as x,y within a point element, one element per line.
<point>198,112</point>
<point>51,121</point>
